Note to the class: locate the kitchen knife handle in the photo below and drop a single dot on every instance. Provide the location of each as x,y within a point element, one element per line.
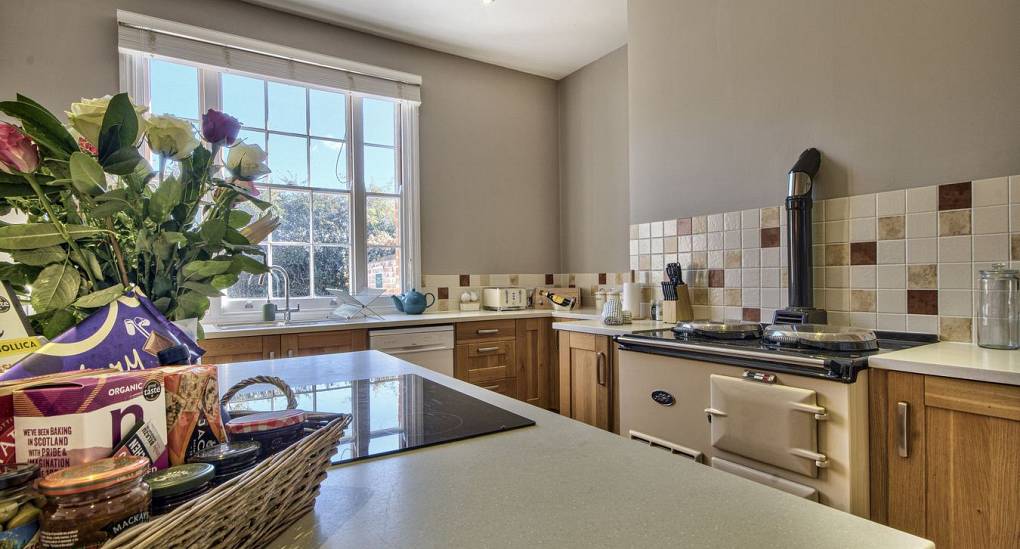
<point>903,429</point>
<point>601,373</point>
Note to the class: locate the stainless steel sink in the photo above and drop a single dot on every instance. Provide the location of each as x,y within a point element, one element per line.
<point>227,326</point>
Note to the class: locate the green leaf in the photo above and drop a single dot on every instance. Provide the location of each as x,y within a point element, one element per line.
<point>100,298</point>
<point>123,162</point>
<point>191,305</point>
<point>212,231</point>
<point>119,129</point>
<point>164,199</point>
<point>238,218</point>
<point>161,286</point>
<point>205,269</point>
<point>175,238</point>
<point>55,288</point>
<point>223,281</point>
<point>107,209</point>
<point>161,304</point>
<point>243,263</point>
<point>40,257</point>
<point>18,274</point>
<point>60,321</point>
<point>87,175</point>
<point>41,126</point>
<point>205,289</point>
<point>87,263</point>
<point>115,194</point>
<point>28,236</point>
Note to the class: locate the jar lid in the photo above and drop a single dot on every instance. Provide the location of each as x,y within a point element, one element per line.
<point>17,474</point>
<point>265,421</point>
<point>179,479</point>
<point>228,453</point>
<point>95,475</point>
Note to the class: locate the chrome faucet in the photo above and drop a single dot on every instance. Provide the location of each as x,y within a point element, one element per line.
<point>280,271</point>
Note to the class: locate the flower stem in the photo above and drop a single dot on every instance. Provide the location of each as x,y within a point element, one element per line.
<point>58,224</point>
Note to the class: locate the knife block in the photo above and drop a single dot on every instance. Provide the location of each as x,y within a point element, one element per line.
<point>679,310</point>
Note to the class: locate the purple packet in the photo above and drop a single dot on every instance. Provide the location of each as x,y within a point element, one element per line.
<point>125,335</point>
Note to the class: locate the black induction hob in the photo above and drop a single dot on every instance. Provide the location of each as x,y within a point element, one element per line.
<point>759,354</point>
<point>393,414</point>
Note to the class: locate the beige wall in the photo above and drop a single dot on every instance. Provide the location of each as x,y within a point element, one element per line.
<point>488,134</point>
<point>724,94</point>
<point>593,166</point>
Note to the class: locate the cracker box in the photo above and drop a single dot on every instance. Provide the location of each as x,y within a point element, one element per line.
<point>126,335</point>
<point>192,411</point>
<point>16,337</point>
<point>78,420</point>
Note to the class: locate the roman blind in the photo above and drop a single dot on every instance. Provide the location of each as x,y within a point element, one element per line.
<point>139,34</point>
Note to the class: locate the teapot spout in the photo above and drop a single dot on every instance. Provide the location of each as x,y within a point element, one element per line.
<point>398,302</point>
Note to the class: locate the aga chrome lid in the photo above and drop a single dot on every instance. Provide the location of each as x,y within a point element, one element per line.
<point>822,336</point>
<point>721,329</point>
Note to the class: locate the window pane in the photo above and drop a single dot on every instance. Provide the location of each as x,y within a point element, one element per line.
<point>332,221</point>
<point>248,285</point>
<point>332,269</point>
<point>384,269</point>
<point>288,159</point>
<point>252,138</point>
<point>173,89</point>
<point>294,209</point>
<point>380,170</point>
<point>329,164</point>
<point>383,220</point>
<point>287,108</point>
<point>378,121</point>
<point>245,99</point>
<point>295,260</point>
<point>328,115</point>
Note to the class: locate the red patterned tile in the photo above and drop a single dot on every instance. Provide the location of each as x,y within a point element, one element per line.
<point>770,237</point>
<point>863,253</point>
<point>602,278</point>
<point>716,278</point>
<point>954,196</point>
<point>923,302</point>
<point>549,280</point>
<point>444,293</point>
<point>752,314</point>
<point>465,280</point>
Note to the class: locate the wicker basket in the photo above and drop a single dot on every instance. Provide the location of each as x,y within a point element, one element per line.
<point>254,508</point>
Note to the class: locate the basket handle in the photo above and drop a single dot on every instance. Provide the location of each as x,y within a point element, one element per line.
<point>271,380</point>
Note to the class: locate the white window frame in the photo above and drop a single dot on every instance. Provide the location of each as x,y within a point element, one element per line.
<point>134,79</point>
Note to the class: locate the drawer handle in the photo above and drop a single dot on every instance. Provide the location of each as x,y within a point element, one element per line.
<point>903,429</point>
<point>600,368</point>
<point>487,331</point>
<point>290,353</point>
<point>272,355</point>
<point>492,388</point>
<point>488,349</point>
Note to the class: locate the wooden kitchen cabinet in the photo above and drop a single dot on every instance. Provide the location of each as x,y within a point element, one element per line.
<point>945,459</point>
<point>240,349</point>
<point>323,343</point>
<point>585,378</point>
<point>247,348</point>
<point>533,360</point>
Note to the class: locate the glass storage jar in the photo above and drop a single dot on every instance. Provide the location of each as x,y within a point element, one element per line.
<point>89,504</point>
<point>998,318</point>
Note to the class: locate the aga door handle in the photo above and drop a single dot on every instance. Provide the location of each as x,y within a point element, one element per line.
<point>903,429</point>
<point>601,371</point>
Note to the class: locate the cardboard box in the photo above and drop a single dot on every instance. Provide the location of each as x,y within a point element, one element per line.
<point>193,420</point>
<point>73,421</point>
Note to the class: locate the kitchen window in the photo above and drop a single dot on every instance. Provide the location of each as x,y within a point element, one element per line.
<point>344,163</point>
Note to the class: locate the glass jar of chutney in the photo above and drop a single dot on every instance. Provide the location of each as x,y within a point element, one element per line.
<point>91,503</point>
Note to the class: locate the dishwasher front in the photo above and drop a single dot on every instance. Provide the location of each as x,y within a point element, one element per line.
<point>427,346</point>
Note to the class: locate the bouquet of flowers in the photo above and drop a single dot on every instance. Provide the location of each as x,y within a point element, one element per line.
<point>101,220</point>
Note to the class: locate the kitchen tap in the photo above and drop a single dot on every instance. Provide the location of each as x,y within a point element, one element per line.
<point>280,271</point>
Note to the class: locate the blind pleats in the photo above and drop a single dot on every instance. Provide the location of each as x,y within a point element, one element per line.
<point>145,41</point>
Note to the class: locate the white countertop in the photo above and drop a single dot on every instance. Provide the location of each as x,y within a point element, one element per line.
<point>958,360</point>
<point>214,330</point>
<point>598,328</point>
<point>557,484</point>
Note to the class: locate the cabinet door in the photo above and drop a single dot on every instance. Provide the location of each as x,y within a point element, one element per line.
<point>973,463</point>
<point>239,349</point>
<point>585,374</point>
<point>485,361</point>
<point>323,343</point>
<point>905,452</point>
<point>533,335</point>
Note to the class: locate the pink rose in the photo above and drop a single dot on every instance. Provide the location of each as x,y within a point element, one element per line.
<point>17,152</point>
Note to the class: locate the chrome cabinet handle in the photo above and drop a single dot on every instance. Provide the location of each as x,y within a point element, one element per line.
<point>487,331</point>
<point>903,429</point>
<point>290,353</point>
<point>488,349</point>
<point>600,368</point>
<point>272,355</point>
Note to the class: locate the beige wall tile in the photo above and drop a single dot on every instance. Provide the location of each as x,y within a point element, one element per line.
<point>990,192</point>
<point>699,224</point>
<point>863,300</point>
<point>837,254</point>
<point>955,329</point>
<point>732,260</point>
<point>991,219</point>
<point>922,277</point>
<point>954,222</point>
<point>890,203</point>
<point>892,227</point>
<point>769,217</point>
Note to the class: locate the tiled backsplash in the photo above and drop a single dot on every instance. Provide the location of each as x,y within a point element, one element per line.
<point>898,260</point>
<point>447,288</point>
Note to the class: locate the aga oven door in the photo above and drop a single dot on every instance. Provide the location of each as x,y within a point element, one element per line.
<point>773,424</point>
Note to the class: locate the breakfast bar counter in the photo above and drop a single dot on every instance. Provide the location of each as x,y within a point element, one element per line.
<point>559,483</point>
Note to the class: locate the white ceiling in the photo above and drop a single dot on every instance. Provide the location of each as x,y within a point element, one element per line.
<point>550,38</point>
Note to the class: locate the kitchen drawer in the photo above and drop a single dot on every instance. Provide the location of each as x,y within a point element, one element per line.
<point>484,361</point>
<point>486,329</point>
<point>507,386</point>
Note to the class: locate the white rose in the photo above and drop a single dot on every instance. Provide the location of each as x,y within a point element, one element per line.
<point>247,162</point>
<point>86,117</point>
<point>171,137</point>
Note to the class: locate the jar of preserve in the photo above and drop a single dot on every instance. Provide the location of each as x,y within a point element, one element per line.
<point>91,503</point>
<point>273,430</point>
<point>20,505</point>
<point>178,485</point>
<point>230,459</point>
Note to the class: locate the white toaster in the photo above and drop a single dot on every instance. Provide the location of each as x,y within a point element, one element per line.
<point>504,299</point>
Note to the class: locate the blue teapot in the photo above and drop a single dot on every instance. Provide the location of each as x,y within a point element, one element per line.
<point>413,302</point>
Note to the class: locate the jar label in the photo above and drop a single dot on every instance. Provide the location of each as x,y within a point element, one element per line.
<point>119,526</point>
